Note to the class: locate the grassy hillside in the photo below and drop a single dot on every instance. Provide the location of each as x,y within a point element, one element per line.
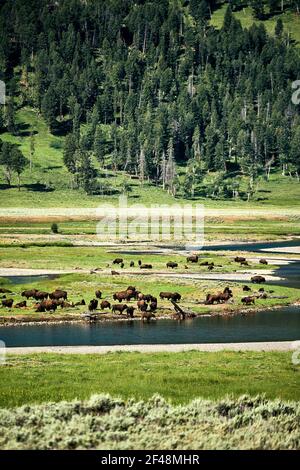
<point>291,21</point>
<point>48,184</point>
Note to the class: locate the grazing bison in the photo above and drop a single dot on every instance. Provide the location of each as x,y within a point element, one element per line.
<point>146,266</point>
<point>170,296</point>
<point>58,294</point>
<point>119,308</point>
<point>146,297</point>
<point>246,288</point>
<point>130,311</point>
<point>131,264</point>
<point>248,300</point>
<point>244,263</point>
<point>81,302</point>
<point>5,291</point>
<point>41,295</point>
<point>219,297</point>
<point>139,262</point>
<point>98,294</point>
<point>192,259</point>
<point>105,304</point>
<point>257,279</point>
<point>47,305</point>
<point>7,303</point>
<point>263,261</point>
<point>172,264</point>
<point>261,289</point>
<point>65,304</point>
<point>118,261</point>
<point>29,293</point>
<point>21,304</point>
<point>239,259</point>
<point>123,295</point>
<point>93,305</point>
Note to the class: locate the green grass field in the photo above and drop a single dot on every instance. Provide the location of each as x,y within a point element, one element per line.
<point>179,377</point>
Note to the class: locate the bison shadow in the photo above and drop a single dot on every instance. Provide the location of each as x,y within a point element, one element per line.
<point>38,187</point>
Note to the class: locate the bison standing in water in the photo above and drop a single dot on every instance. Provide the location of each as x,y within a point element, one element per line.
<point>258,279</point>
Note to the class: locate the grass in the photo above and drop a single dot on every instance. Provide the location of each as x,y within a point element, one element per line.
<point>48,185</point>
<point>290,19</point>
<point>179,377</point>
<point>193,293</point>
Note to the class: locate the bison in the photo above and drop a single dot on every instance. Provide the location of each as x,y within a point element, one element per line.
<point>263,261</point>
<point>146,266</point>
<point>153,305</point>
<point>5,291</point>
<point>21,304</point>
<point>257,279</point>
<point>41,295</point>
<point>170,296</point>
<point>7,303</point>
<point>142,305</point>
<point>123,295</point>
<point>98,294</point>
<point>80,302</point>
<point>130,310</point>
<point>248,300</point>
<point>93,305</point>
<point>29,293</point>
<point>119,308</point>
<point>172,264</point>
<point>58,294</point>
<point>131,264</point>
<point>105,304</point>
<point>147,316</point>
<point>246,288</point>
<point>115,273</point>
<point>239,259</point>
<point>118,261</point>
<point>47,305</point>
<point>192,259</point>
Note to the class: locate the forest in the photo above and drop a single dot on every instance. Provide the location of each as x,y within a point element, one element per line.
<point>144,86</point>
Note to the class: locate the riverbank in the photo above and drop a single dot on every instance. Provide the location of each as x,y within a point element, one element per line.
<point>155,348</point>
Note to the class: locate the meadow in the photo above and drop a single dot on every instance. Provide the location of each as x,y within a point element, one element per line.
<point>179,377</point>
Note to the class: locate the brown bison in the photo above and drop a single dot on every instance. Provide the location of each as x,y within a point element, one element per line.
<point>219,297</point>
<point>147,316</point>
<point>21,304</point>
<point>248,300</point>
<point>29,293</point>
<point>170,296</point>
<point>98,294</point>
<point>244,263</point>
<point>130,311</point>
<point>146,297</point>
<point>263,261</point>
<point>142,305</point>
<point>47,305</point>
<point>105,304</point>
<point>41,295</point>
<point>131,264</point>
<point>192,259</point>
<point>80,302</point>
<point>58,294</point>
<point>118,261</point>
<point>246,288</point>
<point>239,259</point>
<point>120,296</point>
<point>119,308</point>
<point>7,303</point>
<point>93,305</point>
<point>172,264</point>
<point>258,279</point>
<point>146,266</point>
<point>153,305</point>
<point>115,273</point>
